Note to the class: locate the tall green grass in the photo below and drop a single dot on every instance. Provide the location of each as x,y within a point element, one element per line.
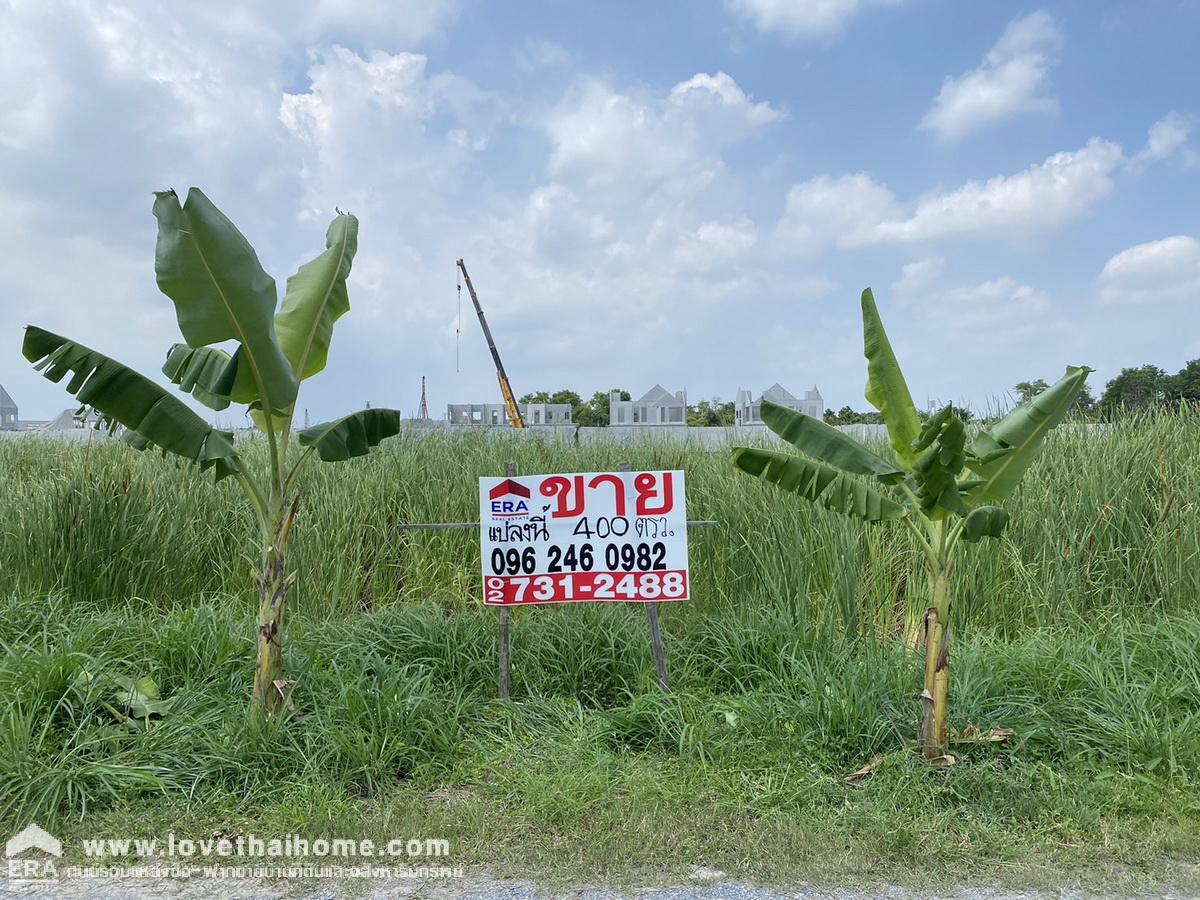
<point>1080,630</point>
<point>1103,526</point>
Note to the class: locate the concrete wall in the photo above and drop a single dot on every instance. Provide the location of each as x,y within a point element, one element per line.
<point>647,435</point>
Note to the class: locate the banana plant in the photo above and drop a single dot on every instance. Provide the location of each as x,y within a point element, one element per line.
<point>222,293</point>
<point>940,485</point>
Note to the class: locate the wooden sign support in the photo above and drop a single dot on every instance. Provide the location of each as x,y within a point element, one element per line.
<point>656,644</point>
<point>510,471</point>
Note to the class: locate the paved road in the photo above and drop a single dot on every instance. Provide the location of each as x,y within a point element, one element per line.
<point>704,887</point>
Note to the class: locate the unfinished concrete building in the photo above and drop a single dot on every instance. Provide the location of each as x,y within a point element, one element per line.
<point>496,414</point>
<point>8,410</point>
<point>747,411</point>
<point>658,407</point>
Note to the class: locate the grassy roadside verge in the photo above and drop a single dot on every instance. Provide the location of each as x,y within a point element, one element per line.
<point>594,818</point>
<point>594,777</point>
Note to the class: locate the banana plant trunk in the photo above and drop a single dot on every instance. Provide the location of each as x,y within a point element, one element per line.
<point>274,583</point>
<point>935,696</point>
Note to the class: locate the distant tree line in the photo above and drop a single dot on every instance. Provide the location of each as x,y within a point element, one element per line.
<point>594,413</point>
<point>590,413</point>
<point>1140,387</point>
<point>848,416</point>
<point>1135,388</point>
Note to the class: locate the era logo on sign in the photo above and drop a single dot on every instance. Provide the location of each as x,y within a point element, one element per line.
<point>40,866</point>
<point>509,500</point>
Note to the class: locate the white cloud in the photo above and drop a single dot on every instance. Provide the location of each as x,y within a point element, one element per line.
<point>825,211</point>
<point>803,18</point>
<point>1010,81</point>
<point>535,54</point>
<point>31,89</point>
<point>1168,137</point>
<point>390,82</point>
<point>606,139</point>
<point>919,275</point>
<point>714,243</point>
<point>995,312</point>
<point>1165,271</point>
<point>855,210</point>
<point>385,114</point>
<point>720,97</point>
<point>1038,199</point>
<point>283,23</point>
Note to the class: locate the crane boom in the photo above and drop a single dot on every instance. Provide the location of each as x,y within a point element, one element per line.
<point>510,401</point>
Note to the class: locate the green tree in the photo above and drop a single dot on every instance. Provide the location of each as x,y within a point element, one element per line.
<point>1027,390</point>
<point>848,416</point>
<point>1085,402</point>
<point>570,398</point>
<point>594,413</point>
<point>1135,388</point>
<point>710,413</point>
<point>1185,384</point>
<point>940,486</point>
<point>221,293</point>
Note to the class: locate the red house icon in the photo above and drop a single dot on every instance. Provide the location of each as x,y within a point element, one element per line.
<point>508,487</point>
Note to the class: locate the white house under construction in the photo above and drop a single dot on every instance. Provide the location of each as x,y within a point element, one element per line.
<point>496,414</point>
<point>747,411</point>
<point>8,410</point>
<point>658,407</point>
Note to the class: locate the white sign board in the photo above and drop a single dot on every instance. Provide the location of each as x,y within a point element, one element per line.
<point>599,536</point>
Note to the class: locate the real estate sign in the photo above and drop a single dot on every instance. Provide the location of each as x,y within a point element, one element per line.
<point>597,536</point>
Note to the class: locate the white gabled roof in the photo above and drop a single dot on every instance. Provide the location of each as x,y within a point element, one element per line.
<point>658,394</point>
<point>779,395</point>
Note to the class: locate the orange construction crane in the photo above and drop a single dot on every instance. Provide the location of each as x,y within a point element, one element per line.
<point>510,401</point>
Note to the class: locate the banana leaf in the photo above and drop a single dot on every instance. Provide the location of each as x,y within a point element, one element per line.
<point>121,394</point>
<point>1000,454</point>
<point>204,372</point>
<point>221,293</point>
<point>825,443</point>
<point>886,389</point>
<point>316,298</point>
<point>353,435</point>
<point>818,483</point>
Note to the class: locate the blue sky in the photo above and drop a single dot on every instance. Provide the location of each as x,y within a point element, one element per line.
<point>685,193</point>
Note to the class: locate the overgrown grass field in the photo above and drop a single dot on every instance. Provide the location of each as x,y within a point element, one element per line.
<point>1079,630</point>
